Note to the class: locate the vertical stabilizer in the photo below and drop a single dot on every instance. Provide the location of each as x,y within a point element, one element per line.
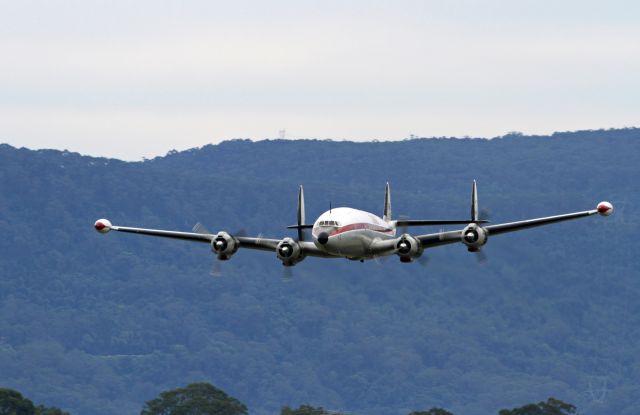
<point>387,203</point>
<point>474,202</point>
<point>301,219</point>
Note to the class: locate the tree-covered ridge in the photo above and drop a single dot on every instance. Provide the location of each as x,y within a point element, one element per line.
<point>195,399</point>
<point>432,411</point>
<point>202,398</point>
<point>551,407</point>
<point>98,324</point>
<point>13,403</point>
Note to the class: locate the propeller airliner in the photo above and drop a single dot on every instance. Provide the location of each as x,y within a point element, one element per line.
<point>358,235</point>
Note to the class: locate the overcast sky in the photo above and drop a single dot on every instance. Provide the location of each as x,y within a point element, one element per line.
<point>129,79</point>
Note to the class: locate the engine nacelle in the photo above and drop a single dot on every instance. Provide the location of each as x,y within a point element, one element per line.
<point>474,236</point>
<point>224,245</point>
<point>408,248</point>
<point>289,252</point>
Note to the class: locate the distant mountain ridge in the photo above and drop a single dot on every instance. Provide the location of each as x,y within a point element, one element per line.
<point>99,324</point>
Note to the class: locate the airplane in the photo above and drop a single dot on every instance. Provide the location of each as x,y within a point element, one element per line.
<point>358,235</point>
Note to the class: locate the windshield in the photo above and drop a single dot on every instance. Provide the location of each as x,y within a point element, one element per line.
<point>329,223</point>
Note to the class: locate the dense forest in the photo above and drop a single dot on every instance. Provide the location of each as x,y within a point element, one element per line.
<point>98,324</point>
<point>202,398</point>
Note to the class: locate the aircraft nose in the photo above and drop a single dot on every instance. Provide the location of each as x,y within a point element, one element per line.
<point>323,238</point>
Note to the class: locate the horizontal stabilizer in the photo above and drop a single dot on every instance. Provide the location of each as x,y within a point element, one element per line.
<point>436,222</point>
<point>300,226</point>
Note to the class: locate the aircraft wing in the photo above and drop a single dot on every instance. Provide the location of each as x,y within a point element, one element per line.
<point>104,226</point>
<point>258,243</point>
<point>262,244</point>
<point>448,237</point>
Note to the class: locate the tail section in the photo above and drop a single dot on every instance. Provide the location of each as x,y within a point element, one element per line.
<point>301,219</point>
<point>474,203</point>
<point>475,214</point>
<point>301,226</point>
<point>387,203</point>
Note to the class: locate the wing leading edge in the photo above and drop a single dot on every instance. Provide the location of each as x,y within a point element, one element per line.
<point>448,237</point>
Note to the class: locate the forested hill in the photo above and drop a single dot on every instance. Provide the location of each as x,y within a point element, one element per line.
<point>97,324</point>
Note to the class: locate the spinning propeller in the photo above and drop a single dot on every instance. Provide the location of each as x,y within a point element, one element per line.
<point>218,244</point>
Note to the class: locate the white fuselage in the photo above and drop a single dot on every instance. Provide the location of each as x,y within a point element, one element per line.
<point>350,232</point>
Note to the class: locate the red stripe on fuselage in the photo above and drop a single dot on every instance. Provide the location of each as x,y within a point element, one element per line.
<point>358,226</point>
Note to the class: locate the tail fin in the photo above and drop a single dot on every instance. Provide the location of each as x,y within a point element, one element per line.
<point>474,202</point>
<point>300,226</point>
<point>387,203</point>
<point>301,219</point>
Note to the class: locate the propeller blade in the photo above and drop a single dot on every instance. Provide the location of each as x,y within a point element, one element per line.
<point>481,257</point>
<point>200,228</point>
<point>404,229</point>
<point>287,273</point>
<point>380,259</point>
<point>423,260</point>
<point>216,268</point>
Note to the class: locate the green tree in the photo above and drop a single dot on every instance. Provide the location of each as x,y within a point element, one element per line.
<point>306,410</point>
<point>43,410</point>
<point>195,399</point>
<point>432,411</point>
<point>551,407</point>
<point>13,403</point>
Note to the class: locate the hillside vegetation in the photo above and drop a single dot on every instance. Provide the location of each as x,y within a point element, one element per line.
<point>97,324</point>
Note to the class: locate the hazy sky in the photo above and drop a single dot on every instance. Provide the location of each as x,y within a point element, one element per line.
<point>138,78</point>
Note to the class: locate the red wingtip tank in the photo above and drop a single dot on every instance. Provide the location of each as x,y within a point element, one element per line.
<point>102,225</point>
<point>605,208</point>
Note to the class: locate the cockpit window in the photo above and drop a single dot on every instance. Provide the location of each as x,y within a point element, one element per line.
<point>329,223</point>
